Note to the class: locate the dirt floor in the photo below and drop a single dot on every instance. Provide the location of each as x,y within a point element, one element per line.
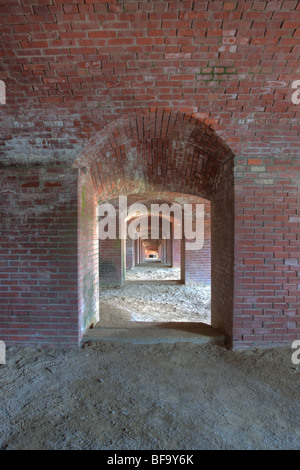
<point>123,396</point>
<point>153,271</point>
<point>153,294</point>
<point>157,397</point>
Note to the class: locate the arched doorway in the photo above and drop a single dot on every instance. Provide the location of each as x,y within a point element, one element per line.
<point>160,151</point>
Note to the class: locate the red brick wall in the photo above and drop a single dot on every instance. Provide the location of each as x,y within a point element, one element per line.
<point>136,252</point>
<point>38,256</point>
<point>161,88</point>
<point>111,262</point>
<point>88,262</point>
<point>267,251</point>
<point>198,262</point>
<point>222,252</point>
<point>176,253</point>
<point>198,265</point>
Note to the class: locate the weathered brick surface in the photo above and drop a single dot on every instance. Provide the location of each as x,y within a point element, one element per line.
<point>130,254</point>
<point>176,260</point>
<point>222,240</point>
<point>38,256</point>
<point>111,262</point>
<point>82,65</point>
<point>88,255</point>
<point>151,96</point>
<point>197,266</point>
<point>169,252</point>
<point>267,251</point>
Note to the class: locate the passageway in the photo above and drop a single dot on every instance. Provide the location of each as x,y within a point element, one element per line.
<point>184,163</point>
<point>153,271</point>
<point>154,295</point>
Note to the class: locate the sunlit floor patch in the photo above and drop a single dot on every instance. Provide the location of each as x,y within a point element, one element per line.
<point>155,301</point>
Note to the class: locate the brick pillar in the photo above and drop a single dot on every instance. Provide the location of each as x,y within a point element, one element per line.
<point>169,252</point>
<point>197,266</point>
<point>111,263</point>
<point>142,251</point>
<point>176,253</point>
<point>133,253</point>
<point>197,263</point>
<point>129,253</point>
<point>222,228</point>
<point>267,251</point>
<point>182,259</point>
<point>163,252</point>
<point>136,252</point>
<point>88,254</point>
<point>159,251</point>
<point>39,240</point>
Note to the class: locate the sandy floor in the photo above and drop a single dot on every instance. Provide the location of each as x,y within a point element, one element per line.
<point>153,271</point>
<point>154,295</point>
<point>125,396</point>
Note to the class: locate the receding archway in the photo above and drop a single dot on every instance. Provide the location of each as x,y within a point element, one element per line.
<point>156,151</point>
<point>153,291</point>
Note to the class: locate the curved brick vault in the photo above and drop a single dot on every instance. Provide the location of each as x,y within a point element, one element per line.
<point>155,150</point>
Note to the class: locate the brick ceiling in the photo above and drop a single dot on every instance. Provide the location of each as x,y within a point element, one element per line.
<point>155,150</point>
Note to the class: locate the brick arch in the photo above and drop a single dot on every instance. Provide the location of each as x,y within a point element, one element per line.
<point>162,151</point>
<point>155,150</point>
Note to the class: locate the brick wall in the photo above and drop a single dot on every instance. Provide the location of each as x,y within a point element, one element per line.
<point>198,262</point>
<point>267,251</point>
<point>136,252</point>
<point>198,265</point>
<point>82,65</point>
<point>176,253</point>
<point>222,250</point>
<point>38,256</point>
<point>88,262</point>
<point>149,95</point>
<point>111,262</point>
<point>129,254</point>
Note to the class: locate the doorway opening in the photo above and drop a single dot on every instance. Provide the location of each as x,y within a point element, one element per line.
<point>161,281</point>
<point>151,152</point>
<point>149,259</point>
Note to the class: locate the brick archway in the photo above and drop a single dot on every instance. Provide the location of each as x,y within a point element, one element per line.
<point>154,151</point>
<point>196,264</point>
